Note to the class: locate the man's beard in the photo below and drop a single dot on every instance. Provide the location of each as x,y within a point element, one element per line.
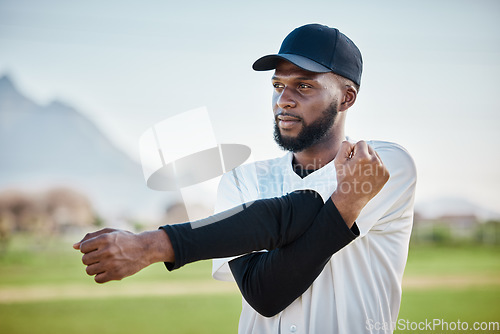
<point>310,133</point>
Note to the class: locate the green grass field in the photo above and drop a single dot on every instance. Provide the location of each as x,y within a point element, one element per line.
<point>44,289</point>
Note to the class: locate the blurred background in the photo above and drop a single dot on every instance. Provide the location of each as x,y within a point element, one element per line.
<point>81,81</point>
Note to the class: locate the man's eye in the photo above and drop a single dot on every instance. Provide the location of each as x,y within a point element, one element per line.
<point>277,85</point>
<point>303,86</point>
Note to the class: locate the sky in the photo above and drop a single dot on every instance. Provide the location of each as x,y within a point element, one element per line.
<point>429,81</point>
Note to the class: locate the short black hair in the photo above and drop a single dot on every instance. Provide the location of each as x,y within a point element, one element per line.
<point>347,82</point>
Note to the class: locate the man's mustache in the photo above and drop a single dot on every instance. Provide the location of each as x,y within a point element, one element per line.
<point>285,114</point>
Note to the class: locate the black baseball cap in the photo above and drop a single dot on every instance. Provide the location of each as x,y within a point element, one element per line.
<point>317,48</point>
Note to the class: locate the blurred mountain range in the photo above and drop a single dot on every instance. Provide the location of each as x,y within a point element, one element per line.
<point>43,146</point>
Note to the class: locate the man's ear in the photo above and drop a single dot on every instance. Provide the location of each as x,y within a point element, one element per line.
<point>349,97</point>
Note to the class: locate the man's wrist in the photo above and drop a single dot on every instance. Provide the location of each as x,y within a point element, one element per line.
<point>157,246</point>
<point>348,207</point>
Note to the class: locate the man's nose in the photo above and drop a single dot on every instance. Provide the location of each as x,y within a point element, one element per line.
<point>286,99</point>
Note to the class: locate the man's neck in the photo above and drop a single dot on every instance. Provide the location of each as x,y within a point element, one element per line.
<point>318,155</point>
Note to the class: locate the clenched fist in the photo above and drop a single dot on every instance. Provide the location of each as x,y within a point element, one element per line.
<point>111,254</point>
<point>361,174</point>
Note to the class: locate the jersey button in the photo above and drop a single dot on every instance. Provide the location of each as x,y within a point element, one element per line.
<point>293,328</point>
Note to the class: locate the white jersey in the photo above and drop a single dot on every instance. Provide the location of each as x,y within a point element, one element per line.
<point>359,290</point>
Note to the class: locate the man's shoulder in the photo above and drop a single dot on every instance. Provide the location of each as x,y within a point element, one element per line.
<point>391,209</point>
<point>394,156</point>
<point>387,145</point>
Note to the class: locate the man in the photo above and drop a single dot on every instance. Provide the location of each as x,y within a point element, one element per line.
<point>326,260</point>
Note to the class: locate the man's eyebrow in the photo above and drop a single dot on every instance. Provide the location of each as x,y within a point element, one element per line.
<point>275,77</point>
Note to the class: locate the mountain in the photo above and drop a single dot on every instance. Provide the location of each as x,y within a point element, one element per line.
<point>54,144</point>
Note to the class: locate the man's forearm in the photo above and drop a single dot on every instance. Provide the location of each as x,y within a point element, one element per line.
<point>265,224</point>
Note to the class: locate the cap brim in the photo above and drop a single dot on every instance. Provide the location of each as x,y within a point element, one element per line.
<point>270,62</point>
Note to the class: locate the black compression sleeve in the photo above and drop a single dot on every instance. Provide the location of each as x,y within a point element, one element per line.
<point>270,281</point>
<point>263,224</point>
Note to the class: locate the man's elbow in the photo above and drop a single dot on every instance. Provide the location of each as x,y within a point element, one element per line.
<point>264,304</point>
<point>265,309</point>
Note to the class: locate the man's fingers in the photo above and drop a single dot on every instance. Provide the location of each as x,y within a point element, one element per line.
<point>360,150</point>
<point>345,151</point>
<point>380,167</point>
<point>374,155</point>
<point>370,149</point>
<point>89,236</point>
<point>102,278</point>
<point>91,241</point>
<point>94,269</point>
<point>378,157</point>
<point>91,245</point>
<point>91,258</point>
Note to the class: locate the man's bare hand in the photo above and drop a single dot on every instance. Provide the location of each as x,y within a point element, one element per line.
<point>361,174</point>
<point>111,254</point>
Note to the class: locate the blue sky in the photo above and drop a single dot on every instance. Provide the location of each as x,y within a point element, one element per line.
<point>429,81</point>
